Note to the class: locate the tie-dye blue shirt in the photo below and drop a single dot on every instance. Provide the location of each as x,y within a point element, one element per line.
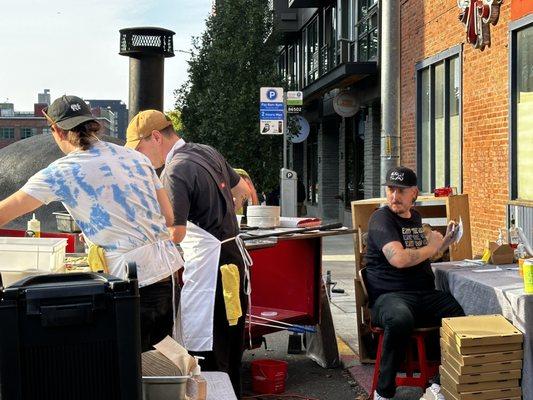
<point>111,193</point>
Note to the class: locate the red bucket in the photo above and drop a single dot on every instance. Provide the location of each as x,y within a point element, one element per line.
<point>269,376</point>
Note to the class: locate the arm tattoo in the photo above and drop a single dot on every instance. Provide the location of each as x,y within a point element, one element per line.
<point>414,256</point>
<point>389,253</point>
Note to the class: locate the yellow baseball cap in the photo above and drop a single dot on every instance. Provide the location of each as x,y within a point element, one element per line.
<point>142,125</point>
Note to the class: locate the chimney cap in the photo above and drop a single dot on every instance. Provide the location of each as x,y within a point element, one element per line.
<point>149,41</point>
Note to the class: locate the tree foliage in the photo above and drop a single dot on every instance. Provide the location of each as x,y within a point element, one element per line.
<point>234,57</point>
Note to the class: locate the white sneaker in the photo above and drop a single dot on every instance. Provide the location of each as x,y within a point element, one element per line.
<point>378,397</point>
<point>433,393</point>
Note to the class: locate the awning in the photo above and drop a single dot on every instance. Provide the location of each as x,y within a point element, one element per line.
<point>344,75</point>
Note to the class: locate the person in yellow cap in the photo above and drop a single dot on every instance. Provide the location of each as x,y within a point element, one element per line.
<point>205,192</point>
<point>252,193</point>
<point>118,202</point>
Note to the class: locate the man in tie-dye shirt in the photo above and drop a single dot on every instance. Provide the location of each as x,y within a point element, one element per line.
<point>117,200</point>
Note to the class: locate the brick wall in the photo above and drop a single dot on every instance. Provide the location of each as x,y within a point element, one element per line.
<point>426,30</point>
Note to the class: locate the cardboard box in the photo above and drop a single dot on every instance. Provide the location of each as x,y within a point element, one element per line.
<point>455,386</point>
<point>482,377</point>
<point>475,359</point>
<point>501,254</point>
<point>450,342</point>
<point>448,360</point>
<point>497,394</point>
<point>481,330</point>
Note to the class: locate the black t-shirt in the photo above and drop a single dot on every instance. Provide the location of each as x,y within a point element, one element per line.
<point>384,227</point>
<point>194,193</point>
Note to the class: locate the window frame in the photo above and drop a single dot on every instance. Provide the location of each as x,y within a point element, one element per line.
<point>430,62</point>
<point>32,130</point>
<point>514,28</point>
<point>11,132</point>
<point>361,35</point>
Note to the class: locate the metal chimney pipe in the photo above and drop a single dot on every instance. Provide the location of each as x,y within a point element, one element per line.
<point>390,86</point>
<point>147,48</point>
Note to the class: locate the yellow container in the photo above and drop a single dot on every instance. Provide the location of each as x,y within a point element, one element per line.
<point>521,267</point>
<point>527,269</point>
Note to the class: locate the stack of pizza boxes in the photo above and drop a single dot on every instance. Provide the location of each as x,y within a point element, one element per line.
<point>481,358</point>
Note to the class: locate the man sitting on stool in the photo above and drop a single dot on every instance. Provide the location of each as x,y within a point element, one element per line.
<point>400,282</point>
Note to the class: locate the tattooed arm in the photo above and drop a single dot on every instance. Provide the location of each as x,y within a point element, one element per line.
<point>240,193</point>
<point>404,258</point>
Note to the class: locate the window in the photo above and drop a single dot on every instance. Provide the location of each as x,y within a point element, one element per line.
<point>282,64</point>
<point>329,40</point>
<point>354,156</point>
<point>7,133</point>
<point>46,131</point>
<point>312,165</point>
<point>439,132</point>
<point>311,52</point>
<point>522,110</point>
<point>367,30</point>
<point>27,132</point>
<point>292,67</point>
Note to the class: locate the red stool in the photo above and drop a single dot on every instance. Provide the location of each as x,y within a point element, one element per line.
<point>426,368</point>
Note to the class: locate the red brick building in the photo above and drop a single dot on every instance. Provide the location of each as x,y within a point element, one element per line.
<point>467,114</point>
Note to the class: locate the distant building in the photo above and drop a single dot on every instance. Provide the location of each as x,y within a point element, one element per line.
<point>119,109</point>
<point>44,98</point>
<point>17,125</point>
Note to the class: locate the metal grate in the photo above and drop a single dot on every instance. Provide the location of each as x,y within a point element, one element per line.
<point>84,371</point>
<point>149,41</point>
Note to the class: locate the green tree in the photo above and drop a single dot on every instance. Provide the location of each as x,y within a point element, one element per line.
<point>234,57</point>
<point>175,116</point>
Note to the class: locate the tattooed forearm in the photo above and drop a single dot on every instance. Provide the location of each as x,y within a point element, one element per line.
<point>414,256</point>
<point>389,253</point>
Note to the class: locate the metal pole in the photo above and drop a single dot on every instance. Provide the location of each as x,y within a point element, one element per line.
<point>390,86</point>
<point>285,130</point>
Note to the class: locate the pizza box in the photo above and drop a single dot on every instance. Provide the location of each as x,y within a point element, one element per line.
<point>497,394</point>
<point>450,342</point>
<point>481,330</point>
<point>448,359</point>
<point>482,377</point>
<point>475,359</point>
<point>455,386</point>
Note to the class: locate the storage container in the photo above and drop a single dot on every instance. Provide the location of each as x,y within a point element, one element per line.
<point>71,336</point>
<point>263,216</point>
<point>32,255</point>
<point>164,387</point>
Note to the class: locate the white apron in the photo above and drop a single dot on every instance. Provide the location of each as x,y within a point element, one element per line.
<point>194,328</point>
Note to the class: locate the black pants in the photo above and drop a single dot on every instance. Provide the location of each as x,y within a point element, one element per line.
<point>228,341</point>
<point>398,314</point>
<point>156,313</point>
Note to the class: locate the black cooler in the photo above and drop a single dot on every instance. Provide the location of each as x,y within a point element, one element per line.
<point>70,336</point>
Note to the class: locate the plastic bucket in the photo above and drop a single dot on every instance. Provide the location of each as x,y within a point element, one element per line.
<point>269,376</point>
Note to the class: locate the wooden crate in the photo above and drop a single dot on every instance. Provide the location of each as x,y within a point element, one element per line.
<point>445,208</point>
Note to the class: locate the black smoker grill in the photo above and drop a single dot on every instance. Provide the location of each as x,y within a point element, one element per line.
<point>70,336</point>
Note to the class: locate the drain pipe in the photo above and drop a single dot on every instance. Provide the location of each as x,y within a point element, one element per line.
<point>390,86</point>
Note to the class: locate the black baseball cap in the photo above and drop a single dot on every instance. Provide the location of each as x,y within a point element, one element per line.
<point>400,177</point>
<point>68,112</point>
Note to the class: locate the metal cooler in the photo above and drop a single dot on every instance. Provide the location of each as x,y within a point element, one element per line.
<point>70,336</point>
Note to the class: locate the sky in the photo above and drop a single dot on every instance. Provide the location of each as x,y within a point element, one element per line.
<point>71,46</point>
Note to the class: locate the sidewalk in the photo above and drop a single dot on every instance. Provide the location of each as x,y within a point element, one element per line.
<point>338,257</point>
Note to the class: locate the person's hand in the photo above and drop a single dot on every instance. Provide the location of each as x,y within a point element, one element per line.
<point>451,233</point>
<point>435,240</point>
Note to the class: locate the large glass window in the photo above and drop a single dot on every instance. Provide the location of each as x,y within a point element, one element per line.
<point>522,131</point>
<point>367,30</point>
<point>439,138</point>
<point>311,52</point>
<point>7,133</point>
<point>329,40</point>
